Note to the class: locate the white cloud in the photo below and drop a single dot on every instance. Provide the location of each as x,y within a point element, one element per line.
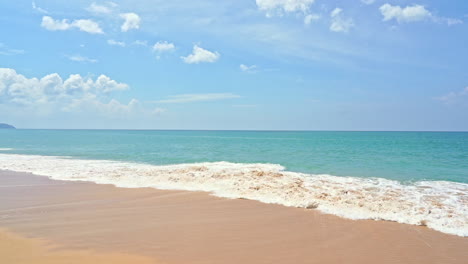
<point>18,88</point>
<point>414,13</point>
<point>79,58</point>
<point>40,10</point>
<point>201,55</point>
<point>368,2</point>
<point>407,14</point>
<point>189,98</point>
<point>50,24</point>
<point>279,7</point>
<point>76,94</point>
<point>85,25</point>
<point>74,84</point>
<point>74,99</point>
<point>340,23</point>
<point>246,68</point>
<point>132,21</point>
<point>106,84</point>
<point>311,17</point>
<point>163,46</point>
<point>115,108</point>
<point>5,50</point>
<point>106,8</point>
<point>455,97</point>
<point>110,108</point>
<point>115,43</point>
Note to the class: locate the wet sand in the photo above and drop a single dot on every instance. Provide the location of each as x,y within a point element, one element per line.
<point>159,226</point>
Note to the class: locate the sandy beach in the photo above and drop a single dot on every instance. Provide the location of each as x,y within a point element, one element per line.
<point>49,221</point>
<point>20,250</point>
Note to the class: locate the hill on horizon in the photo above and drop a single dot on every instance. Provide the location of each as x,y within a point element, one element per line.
<point>6,126</point>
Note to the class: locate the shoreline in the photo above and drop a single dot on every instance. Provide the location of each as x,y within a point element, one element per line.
<point>195,227</point>
<point>439,205</point>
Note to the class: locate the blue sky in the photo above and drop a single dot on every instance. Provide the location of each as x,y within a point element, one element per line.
<point>232,64</point>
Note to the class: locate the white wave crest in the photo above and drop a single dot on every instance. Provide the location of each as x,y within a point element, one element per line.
<point>439,205</point>
<point>5,149</point>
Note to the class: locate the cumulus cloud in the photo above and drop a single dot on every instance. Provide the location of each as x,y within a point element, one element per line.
<point>79,58</point>
<point>17,88</point>
<point>201,55</point>
<point>279,7</point>
<point>189,98</point>
<point>75,95</point>
<point>106,84</point>
<point>246,68</point>
<point>163,46</point>
<point>132,21</point>
<point>455,97</point>
<point>85,25</point>
<point>339,23</point>
<point>115,43</point>
<point>406,14</point>
<point>50,24</point>
<point>414,13</point>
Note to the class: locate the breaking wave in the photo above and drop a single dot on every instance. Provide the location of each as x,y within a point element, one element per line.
<point>439,205</point>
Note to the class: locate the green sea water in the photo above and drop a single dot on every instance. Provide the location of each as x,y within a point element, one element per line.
<point>403,156</point>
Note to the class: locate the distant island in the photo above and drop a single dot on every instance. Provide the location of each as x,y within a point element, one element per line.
<point>6,126</point>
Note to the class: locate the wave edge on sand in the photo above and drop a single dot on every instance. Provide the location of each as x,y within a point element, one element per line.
<point>439,205</point>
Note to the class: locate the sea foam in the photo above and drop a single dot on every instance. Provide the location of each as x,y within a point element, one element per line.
<point>439,205</point>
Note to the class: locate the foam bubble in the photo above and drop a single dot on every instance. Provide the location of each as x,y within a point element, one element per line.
<point>439,205</point>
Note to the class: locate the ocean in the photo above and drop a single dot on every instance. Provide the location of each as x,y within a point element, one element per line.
<point>418,178</point>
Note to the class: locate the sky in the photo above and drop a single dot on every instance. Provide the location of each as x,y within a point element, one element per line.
<point>235,64</point>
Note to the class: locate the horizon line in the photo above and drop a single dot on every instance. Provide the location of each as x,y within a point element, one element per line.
<point>241,130</point>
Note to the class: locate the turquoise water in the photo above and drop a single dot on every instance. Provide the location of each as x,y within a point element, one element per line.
<point>403,156</point>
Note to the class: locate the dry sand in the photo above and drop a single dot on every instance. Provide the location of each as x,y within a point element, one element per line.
<point>100,221</point>
<point>19,250</point>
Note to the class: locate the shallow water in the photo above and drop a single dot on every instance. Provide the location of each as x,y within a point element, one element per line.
<point>402,156</point>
